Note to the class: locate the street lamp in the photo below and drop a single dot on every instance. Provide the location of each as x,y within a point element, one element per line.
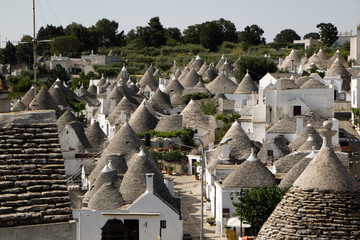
<point>241,196</point>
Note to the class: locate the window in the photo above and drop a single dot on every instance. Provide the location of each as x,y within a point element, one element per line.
<point>270,153</point>
<point>162,223</point>
<point>244,102</point>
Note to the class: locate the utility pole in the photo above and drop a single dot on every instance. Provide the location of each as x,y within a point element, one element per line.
<point>34,47</point>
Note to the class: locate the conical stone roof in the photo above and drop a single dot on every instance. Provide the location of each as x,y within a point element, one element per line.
<point>126,106</point>
<point>114,95</point>
<point>96,136</point>
<point>107,197</point>
<point>337,69</point>
<point>134,181</point>
<point>65,118</point>
<point>29,96</point>
<point>125,142</point>
<point>143,120</point>
<point>58,96</point>
<point>309,144</point>
<point>148,79</point>
<point>309,130</point>
<point>324,198</point>
<point>222,84</point>
<point>313,84</point>
<point>92,89</point>
<point>221,62</point>
<point>301,80</point>
<point>44,101</point>
<point>203,69</point>
<point>123,75</point>
<point>19,106</point>
<point>197,64</point>
<point>191,79</point>
<point>315,59</point>
<point>338,55</point>
<point>292,57</point>
<point>296,171</point>
<point>162,99</point>
<point>183,74</point>
<point>247,85</point>
<point>174,89</point>
<point>192,109</point>
<point>227,69</point>
<point>105,175</point>
<point>251,173</point>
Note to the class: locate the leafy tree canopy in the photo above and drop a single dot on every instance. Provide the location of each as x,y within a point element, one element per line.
<point>67,45</point>
<point>286,36</point>
<point>8,54</point>
<point>24,51</point>
<point>312,35</point>
<point>328,33</point>
<point>257,66</point>
<point>59,72</point>
<point>258,203</point>
<point>252,35</point>
<point>209,106</point>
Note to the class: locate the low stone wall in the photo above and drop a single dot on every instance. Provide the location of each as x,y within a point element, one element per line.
<point>54,231</point>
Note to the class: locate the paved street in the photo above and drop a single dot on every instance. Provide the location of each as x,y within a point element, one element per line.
<point>189,190</point>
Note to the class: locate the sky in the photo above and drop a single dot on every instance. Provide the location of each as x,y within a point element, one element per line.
<point>272,16</point>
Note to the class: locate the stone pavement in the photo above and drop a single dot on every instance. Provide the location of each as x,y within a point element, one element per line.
<point>189,190</point>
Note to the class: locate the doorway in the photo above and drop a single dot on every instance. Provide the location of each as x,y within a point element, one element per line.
<point>297,110</point>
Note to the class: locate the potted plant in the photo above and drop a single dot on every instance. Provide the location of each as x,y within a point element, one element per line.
<point>230,234</point>
<point>197,176</point>
<point>210,220</point>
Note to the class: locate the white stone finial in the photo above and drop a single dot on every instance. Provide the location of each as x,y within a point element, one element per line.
<point>106,169</point>
<point>141,153</point>
<point>252,157</point>
<point>312,154</point>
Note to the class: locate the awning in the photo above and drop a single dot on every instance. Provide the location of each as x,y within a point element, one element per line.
<point>235,222</point>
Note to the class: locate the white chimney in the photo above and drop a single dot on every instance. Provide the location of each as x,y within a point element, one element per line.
<point>299,125</point>
<point>103,106</point>
<point>149,182</point>
<point>225,151</point>
<point>112,104</point>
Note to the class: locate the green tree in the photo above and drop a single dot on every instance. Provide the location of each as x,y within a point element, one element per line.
<point>209,106</point>
<point>67,45</point>
<point>192,34</point>
<point>195,96</point>
<point>8,54</point>
<point>286,36</point>
<point>312,35</point>
<point>328,33</point>
<point>24,51</point>
<point>211,35</point>
<point>258,203</point>
<point>47,33</point>
<point>173,36</point>
<point>59,72</point>
<point>228,30</point>
<point>252,35</point>
<point>157,32</point>
<point>83,80</point>
<point>107,33</point>
<point>82,34</point>
<point>257,66</point>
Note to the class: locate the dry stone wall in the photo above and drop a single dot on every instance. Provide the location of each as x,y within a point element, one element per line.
<point>33,186</point>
